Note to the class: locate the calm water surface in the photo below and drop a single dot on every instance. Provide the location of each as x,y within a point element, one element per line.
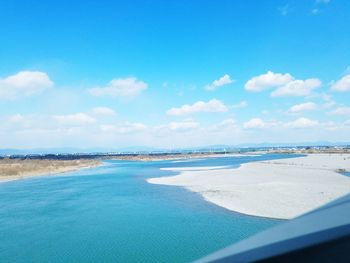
<point>347,174</point>
<point>111,214</point>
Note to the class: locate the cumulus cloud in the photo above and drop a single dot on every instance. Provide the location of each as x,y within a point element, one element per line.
<point>16,118</point>
<point>239,105</point>
<point>267,81</point>
<point>213,105</point>
<point>20,121</point>
<point>284,84</point>
<point>181,126</point>
<point>297,88</point>
<point>341,111</point>
<point>79,130</point>
<point>228,122</point>
<point>225,125</point>
<point>103,111</point>
<point>301,123</point>
<point>224,80</point>
<point>328,101</point>
<point>24,83</point>
<point>298,108</point>
<point>184,125</point>
<point>74,119</point>
<point>126,128</point>
<point>342,84</point>
<point>255,123</point>
<point>122,87</point>
<point>84,119</point>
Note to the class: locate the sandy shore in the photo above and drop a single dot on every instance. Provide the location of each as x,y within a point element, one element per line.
<point>283,188</point>
<point>13,169</point>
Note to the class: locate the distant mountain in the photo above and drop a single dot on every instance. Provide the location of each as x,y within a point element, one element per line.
<point>5,152</point>
<point>317,143</point>
<point>266,145</point>
<point>143,149</point>
<point>37,151</point>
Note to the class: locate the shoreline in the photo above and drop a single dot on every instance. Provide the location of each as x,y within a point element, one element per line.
<point>18,168</point>
<point>175,157</point>
<point>11,170</point>
<point>281,188</point>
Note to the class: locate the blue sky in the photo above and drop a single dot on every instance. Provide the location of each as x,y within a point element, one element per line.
<point>116,74</point>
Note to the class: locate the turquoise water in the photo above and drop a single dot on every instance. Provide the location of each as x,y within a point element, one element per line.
<point>111,214</point>
<point>347,174</point>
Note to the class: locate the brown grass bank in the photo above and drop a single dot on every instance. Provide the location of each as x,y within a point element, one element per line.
<point>12,169</point>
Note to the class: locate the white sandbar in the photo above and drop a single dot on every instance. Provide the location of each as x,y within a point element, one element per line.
<point>283,188</point>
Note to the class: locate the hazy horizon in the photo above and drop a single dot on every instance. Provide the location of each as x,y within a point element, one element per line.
<point>145,149</point>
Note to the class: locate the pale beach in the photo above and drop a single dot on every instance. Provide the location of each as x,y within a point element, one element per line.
<point>283,188</point>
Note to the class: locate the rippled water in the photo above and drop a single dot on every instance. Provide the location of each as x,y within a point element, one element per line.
<point>111,214</point>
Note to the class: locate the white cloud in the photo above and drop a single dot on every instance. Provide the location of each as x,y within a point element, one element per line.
<point>341,111</point>
<point>297,88</point>
<point>213,105</point>
<point>174,128</point>
<point>37,130</point>
<point>125,128</point>
<point>103,111</point>
<point>239,105</point>
<point>122,87</point>
<point>333,126</point>
<point>227,124</point>
<point>74,119</point>
<point>20,121</point>
<point>328,101</point>
<point>267,80</point>
<point>301,123</point>
<point>298,108</point>
<point>342,84</point>
<point>347,70</point>
<point>16,118</point>
<point>224,80</point>
<point>225,130</point>
<point>184,125</point>
<point>285,84</point>
<point>255,123</point>
<point>24,83</point>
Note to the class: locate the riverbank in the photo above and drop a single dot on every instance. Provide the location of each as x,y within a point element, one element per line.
<point>170,157</point>
<point>13,169</point>
<point>283,188</point>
